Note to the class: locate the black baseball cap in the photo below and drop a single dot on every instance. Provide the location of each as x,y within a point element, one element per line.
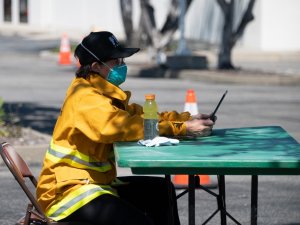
<point>101,46</point>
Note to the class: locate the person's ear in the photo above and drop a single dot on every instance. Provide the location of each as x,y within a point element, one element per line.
<point>96,66</point>
<point>100,69</point>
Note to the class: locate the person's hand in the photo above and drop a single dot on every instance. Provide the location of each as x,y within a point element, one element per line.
<point>199,125</point>
<point>203,116</point>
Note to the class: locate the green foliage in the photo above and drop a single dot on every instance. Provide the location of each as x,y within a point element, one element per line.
<point>9,123</point>
<point>2,116</point>
<point>1,108</point>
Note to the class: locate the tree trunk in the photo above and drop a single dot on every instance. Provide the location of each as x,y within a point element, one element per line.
<point>126,11</point>
<point>229,37</point>
<point>224,58</point>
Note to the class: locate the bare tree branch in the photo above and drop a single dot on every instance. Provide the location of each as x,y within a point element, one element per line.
<point>247,17</point>
<point>148,33</point>
<point>148,22</point>
<point>173,16</point>
<point>223,4</point>
<point>171,24</point>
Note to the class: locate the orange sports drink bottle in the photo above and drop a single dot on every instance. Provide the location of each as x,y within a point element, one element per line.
<point>150,117</point>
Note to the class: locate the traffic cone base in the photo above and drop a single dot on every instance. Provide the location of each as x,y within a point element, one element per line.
<point>64,58</point>
<point>191,107</point>
<point>182,181</point>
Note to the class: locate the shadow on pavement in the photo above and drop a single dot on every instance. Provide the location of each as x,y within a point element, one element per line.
<point>37,117</point>
<point>158,72</point>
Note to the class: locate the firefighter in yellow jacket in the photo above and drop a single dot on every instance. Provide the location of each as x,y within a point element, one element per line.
<point>78,180</point>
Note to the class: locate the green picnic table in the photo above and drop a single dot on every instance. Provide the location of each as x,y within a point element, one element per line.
<point>265,150</point>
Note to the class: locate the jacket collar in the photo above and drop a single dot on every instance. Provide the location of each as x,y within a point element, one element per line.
<point>106,88</point>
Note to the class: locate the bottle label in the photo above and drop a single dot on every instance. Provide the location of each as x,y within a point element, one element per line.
<point>150,128</point>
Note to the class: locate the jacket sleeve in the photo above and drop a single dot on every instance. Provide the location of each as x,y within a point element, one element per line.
<point>101,121</point>
<point>172,123</point>
<point>135,109</point>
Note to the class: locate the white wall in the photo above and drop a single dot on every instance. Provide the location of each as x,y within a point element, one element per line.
<point>1,12</point>
<point>275,27</point>
<point>40,13</point>
<point>79,16</point>
<point>251,39</point>
<point>280,25</point>
<point>204,21</point>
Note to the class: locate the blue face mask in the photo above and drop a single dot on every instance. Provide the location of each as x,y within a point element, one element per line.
<point>117,74</point>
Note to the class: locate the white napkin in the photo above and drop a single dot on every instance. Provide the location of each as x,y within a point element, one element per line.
<point>158,141</point>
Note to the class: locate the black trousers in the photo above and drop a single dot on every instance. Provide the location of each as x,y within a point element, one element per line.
<point>144,201</point>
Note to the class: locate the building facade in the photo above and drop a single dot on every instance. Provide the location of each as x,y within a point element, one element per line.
<point>275,27</point>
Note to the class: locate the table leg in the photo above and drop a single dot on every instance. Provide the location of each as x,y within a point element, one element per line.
<point>222,196</point>
<point>191,200</point>
<point>171,206</point>
<point>254,188</point>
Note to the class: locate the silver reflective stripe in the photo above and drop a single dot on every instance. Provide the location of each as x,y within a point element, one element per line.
<point>76,159</point>
<point>75,200</point>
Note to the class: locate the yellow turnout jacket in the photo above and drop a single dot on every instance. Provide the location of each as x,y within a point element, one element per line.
<point>79,164</point>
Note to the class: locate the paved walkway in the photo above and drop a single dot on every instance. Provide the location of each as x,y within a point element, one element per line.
<point>278,68</point>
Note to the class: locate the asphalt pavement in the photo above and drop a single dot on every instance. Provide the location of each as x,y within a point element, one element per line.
<point>265,91</point>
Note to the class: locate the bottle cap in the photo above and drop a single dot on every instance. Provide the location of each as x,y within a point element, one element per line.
<point>150,96</point>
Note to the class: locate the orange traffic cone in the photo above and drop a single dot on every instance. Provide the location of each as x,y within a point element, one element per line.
<point>65,51</point>
<point>181,181</point>
<point>190,102</point>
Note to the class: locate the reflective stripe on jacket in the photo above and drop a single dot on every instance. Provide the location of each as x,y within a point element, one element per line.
<point>76,199</point>
<point>58,154</point>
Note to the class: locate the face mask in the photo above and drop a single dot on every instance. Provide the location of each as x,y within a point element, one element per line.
<point>117,74</point>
